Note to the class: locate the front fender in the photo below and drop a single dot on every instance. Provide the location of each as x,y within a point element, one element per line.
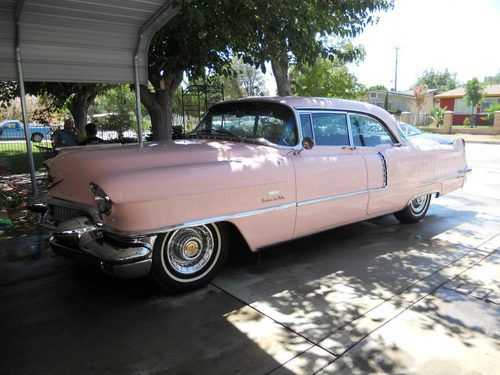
<point>160,198</point>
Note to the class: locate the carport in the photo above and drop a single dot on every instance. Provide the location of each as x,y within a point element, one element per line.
<point>78,41</point>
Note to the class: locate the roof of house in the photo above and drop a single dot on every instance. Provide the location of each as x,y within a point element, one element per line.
<point>490,90</point>
<point>408,93</point>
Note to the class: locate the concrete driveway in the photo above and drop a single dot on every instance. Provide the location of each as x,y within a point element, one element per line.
<point>376,296</point>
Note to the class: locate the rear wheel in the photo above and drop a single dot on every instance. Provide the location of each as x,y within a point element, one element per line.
<point>415,211</point>
<point>189,258</point>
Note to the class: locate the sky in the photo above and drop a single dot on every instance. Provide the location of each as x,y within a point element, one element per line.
<point>460,35</point>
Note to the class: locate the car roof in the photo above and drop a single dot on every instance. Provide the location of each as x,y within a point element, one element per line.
<point>302,102</point>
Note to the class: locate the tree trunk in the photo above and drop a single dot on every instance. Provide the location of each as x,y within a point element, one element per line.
<point>280,71</point>
<point>160,103</point>
<point>79,108</point>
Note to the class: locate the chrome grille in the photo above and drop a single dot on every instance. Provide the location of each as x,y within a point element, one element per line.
<point>60,213</point>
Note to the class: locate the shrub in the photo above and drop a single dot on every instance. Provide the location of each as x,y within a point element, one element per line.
<point>437,116</point>
<point>466,121</point>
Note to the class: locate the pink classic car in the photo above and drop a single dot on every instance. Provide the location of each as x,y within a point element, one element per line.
<point>272,169</point>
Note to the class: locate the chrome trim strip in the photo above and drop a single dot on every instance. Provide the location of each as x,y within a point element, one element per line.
<point>464,172</point>
<point>349,130</point>
<point>384,166</point>
<point>449,176</point>
<point>331,197</point>
<point>200,222</point>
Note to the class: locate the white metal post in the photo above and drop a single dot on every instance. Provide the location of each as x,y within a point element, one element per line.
<point>22,96</point>
<point>138,113</point>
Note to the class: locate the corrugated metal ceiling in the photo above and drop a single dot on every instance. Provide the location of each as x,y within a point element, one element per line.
<point>80,40</point>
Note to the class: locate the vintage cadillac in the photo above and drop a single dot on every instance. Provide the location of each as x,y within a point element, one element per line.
<point>267,169</point>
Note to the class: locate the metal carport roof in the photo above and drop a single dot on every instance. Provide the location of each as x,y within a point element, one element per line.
<point>80,40</point>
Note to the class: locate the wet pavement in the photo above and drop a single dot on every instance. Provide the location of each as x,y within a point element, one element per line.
<point>372,297</point>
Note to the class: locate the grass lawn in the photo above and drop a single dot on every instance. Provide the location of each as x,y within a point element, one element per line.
<point>14,157</point>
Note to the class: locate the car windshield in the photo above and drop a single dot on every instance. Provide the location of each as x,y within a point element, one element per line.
<point>249,122</point>
<point>407,130</point>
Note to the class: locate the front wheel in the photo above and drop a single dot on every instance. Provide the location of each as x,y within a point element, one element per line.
<point>189,258</point>
<point>415,211</point>
<point>37,137</point>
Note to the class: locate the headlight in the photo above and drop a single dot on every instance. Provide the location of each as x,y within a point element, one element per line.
<point>102,201</point>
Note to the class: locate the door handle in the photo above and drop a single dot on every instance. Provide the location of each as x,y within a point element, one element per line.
<point>352,148</point>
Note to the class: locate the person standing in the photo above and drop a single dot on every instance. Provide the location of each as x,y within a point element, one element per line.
<point>65,137</point>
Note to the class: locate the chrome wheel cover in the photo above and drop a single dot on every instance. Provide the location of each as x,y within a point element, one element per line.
<point>189,250</point>
<point>418,204</point>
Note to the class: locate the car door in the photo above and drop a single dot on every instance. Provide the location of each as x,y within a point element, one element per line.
<point>389,163</point>
<point>331,177</point>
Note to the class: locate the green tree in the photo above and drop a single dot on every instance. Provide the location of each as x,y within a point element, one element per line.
<point>474,93</point>
<point>246,80</point>
<point>288,32</point>
<point>420,92</point>
<point>377,87</point>
<point>435,79</point>
<point>325,78</point>
<point>76,97</point>
<point>386,100</point>
<point>194,42</point>
<point>119,105</point>
<point>492,80</point>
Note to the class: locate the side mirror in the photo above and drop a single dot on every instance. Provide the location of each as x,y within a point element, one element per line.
<point>307,143</point>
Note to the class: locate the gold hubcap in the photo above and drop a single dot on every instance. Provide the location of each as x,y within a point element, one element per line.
<point>191,248</point>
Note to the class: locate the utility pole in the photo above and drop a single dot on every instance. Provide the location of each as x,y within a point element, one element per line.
<point>396,71</point>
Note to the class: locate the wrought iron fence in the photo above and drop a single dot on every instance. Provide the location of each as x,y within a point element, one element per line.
<point>13,152</point>
<point>420,119</point>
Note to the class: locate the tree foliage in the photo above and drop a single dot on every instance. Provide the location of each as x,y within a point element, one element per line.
<point>290,31</point>
<point>325,78</point>
<point>195,42</point>
<point>474,93</point>
<point>377,87</point>
<point>435,79</point>
<point>119,105</point>
<point>76,97</point>
<point>492,80</point>
<point>245,80</point>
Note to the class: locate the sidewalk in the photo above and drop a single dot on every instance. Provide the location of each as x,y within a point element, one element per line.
<point>475,138</point>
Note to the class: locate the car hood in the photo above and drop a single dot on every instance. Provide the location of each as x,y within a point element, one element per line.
<point>76,167</point>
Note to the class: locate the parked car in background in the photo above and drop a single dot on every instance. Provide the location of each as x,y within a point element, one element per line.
<point>267,170</point>
<point>413,134</point>
<point>14,129</point>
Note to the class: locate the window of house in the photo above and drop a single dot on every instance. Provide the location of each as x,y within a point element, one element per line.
<point>461,107</point>
<point>488,102</point>
<point>373,95</point>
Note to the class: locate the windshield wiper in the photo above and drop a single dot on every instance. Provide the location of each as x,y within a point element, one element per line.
<point>228,133</point>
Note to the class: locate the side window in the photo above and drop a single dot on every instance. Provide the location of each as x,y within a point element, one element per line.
<point>330,129</point>
<point>306,124</point>
<point>11,125</point>
<point>368,132</point>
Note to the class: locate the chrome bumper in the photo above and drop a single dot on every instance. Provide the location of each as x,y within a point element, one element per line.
<point>80,238</point>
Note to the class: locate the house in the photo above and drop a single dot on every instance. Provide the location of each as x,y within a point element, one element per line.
<point>453,100</point>
<point>401,101</point>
